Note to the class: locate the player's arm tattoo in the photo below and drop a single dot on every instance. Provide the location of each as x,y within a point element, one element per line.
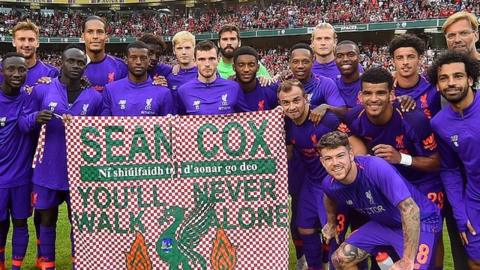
<point>347,256</point>
<point>411,227</point>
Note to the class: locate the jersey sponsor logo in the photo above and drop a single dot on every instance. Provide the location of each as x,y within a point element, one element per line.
<point>84,109</point>
<point>454,140</point>
<point>123,104</point>
<point>52,105</point>
<point>196,104</point>
<point>371,210</point>
<point>430,143</point>
<point>369,196</point>
<point>309,97</point>
<point>3,121</point>
<point>349,202</point>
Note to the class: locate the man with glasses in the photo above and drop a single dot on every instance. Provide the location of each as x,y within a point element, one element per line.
<point>461,33</point>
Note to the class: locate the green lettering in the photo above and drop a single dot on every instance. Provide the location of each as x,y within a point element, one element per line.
<point>250,219</point>
<point>201,147</point>
<point>84,195</point>
<point>136,221</point>
<point>110,143</point>
<point>259,139</point>
<point>249,187</point>
<point>225,140</point>
<point>86,222</point>
<point>225,224</point>
<point>201,194</point>
<point>281,212</point>
<point>104,223</point>
<point>99,193</point>
<point>160,139</point>
<point>135,148</point>
<point>215,190</point>
<point>266,216</point>
<point>116,203</point>
<point>267,186</point>
<point>140,202</point>
<point>92,144</point>
<point>117,225</point>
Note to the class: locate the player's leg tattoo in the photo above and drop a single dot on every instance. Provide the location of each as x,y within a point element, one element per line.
<point>348,256</point>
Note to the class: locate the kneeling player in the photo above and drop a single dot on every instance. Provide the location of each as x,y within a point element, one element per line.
<point>400,216</point>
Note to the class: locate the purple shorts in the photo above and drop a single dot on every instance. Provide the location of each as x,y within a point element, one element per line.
<point>15,200</point>
<point>311,213</point>
<point>373,235</point>
<point>45,198</point>
<point>434,192</point>
<point>473,247</point>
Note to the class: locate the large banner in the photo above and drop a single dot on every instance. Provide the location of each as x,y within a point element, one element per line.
<point>185,192</point>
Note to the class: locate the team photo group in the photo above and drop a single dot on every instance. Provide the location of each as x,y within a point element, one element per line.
<point>381,163</point>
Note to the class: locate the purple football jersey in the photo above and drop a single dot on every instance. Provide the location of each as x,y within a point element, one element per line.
<point>409,133</point>
<point>349,91</point>
<point>218,97</point>
<point>105,71</point>
<point>175,81</point>
<point>161,70</point>
<point>459,145</point>
<point>329,70</point>
<point>304,139</point>
<point>425,94</point>
<point>376,192</point>
<point>127,98</point>
<point>52,171</point>
<point>262,98</point>
<point>320,90</point>
<point>16,148</point>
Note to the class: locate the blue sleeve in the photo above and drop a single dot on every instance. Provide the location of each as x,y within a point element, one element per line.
<point>388,180</point>
<point>32,107</point>
<point>272,96</point>
<point>123,69</point>
<point>53,73</point>
<point>331,121</point>
<point>98,103</point>
<point>332,95</point>
<point>107,102</point>
<point>453,182</point>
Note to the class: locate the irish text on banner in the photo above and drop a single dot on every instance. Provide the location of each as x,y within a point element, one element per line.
<point>189,192</point>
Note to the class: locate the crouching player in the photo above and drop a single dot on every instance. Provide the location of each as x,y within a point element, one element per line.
<point>400,216</point>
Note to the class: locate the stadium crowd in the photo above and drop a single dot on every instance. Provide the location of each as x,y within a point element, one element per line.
<point>281,14</point>
<point>369,150</point>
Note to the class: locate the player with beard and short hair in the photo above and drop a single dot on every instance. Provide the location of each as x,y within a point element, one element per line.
<point>65,95</point>
<point>26,36</point>
<point>323,42</point>
<point>406,51</point>
<point>208,93</point>
<point>135,95</point>
<point>183,44</point>
<point>456,127</point>
<point>101,68</point>
<point>246,64</point>
<point>156,46</point>
<point>400,216</point>
<point>228,42</point>
<point>16,152</point>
